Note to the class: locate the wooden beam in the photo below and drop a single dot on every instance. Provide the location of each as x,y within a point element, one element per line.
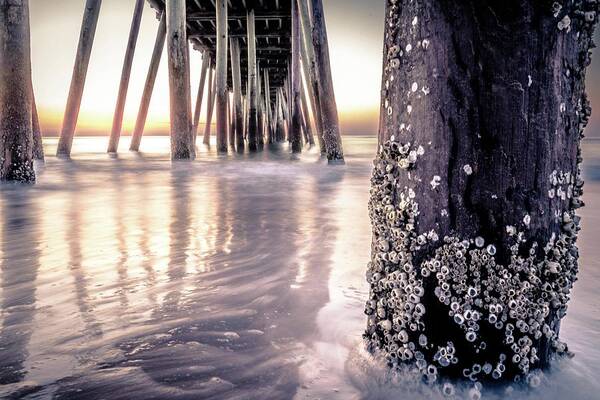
<point>238,114</point>
<point>82,59</point>
<point>206,61</point>
<point>16,94</point>
<point>117,125</point>
<point>252,83</point>
<point>295,87</point>
<point>241,34</point>
<point>221,75</point>
<point>209,16</point>
<point>182,143</point>
<point>140,122</point>
<point>329,114</point>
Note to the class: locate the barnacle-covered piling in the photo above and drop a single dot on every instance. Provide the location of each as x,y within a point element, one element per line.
<point>476,184</point>
<point>16,94</point>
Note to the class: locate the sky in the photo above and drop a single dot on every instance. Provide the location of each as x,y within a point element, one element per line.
<point>355,29</point>
<point>355,38</point>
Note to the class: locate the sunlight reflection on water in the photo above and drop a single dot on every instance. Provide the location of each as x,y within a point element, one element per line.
<point>132,277</point>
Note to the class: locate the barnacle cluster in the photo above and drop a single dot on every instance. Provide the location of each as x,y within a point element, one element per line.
<point>503,308</point>
<point>20,166</point>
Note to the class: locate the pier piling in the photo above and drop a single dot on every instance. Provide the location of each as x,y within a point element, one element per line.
<point>142,115</point>
<point>221,75</point>
<point>16,94</point>
<point>206,60</point>
<point>182,143</point>
<point>117,125</point>
<point>82,60</point>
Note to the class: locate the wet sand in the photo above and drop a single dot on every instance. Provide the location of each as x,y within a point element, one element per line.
<point>237,277</point>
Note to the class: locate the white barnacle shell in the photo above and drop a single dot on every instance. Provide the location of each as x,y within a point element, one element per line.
<point>479,241</point>
<point>468,169</point>
<point>435,182</point>
<point>408,47</point>
<point>415,21</point>
<point>511,230</point>
<point>553,267</point>
<point>386,325</point>
<point>414,87</point>
<point>425,90</point>
<point>556,7</point>
<point>491,249</point>
<point>529,81</point>
<point>409,108</point>
<point>527,219</point>
<point>564,23</point>
<point>420,150</point>
<point>412,156</point>
<point>425,44</point>
<point>471,336</point>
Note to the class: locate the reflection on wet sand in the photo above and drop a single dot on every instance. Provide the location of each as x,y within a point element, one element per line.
<point>186,281</point>
<point>19,267</point>
<point>135,278</point>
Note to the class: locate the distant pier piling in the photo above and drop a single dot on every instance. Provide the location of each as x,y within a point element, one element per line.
<point>257,95</point>
<point>16,94</point>
<point>252,82</point>
<point>140,122</point>
<point>295,101</point>
<point>38,145</point>
<point>210,106</point>
<point>134,31</point>
<point>222,96</point>
<point>206,60</point>
<point>238,114</point>
<point>182,143</point>
<point>82,60</point>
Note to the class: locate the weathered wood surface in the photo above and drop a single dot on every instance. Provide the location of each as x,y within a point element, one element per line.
<point>82,60</point>
<point>16,94</point>
<point>295,101</point>
<point>182,142</point>
<point>477,181</point>
<point>134,31</point>
<point>142,115</point>
<point>222,96</point>
<point>329,113</point>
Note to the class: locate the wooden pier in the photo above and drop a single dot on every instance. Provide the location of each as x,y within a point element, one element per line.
<point>265,76</point>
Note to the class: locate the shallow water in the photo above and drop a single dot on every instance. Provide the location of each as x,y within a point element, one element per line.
<point>225,278</point>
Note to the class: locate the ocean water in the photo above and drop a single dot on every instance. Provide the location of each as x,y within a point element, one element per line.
<point>238,277</point>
